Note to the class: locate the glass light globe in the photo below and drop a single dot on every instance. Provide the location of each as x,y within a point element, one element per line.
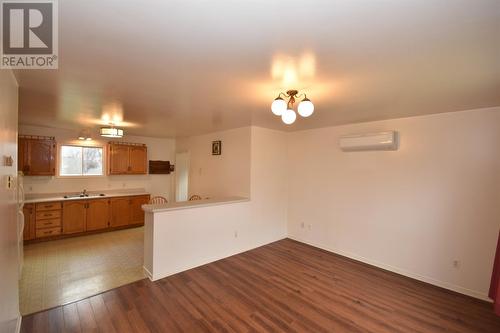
<point>306,108</point>
<point>278,106</point>
<point>288,117</point>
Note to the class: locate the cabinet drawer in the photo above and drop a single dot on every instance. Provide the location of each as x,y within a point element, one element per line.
<point>43,215</point>
<point>48,206</point>
<point>48,223</point>
<point>40,233</point>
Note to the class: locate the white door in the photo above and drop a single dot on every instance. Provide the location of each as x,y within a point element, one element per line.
<point>181,176</point>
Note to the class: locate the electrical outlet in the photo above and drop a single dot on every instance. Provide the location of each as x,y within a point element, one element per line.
<point>9,182</point>
<point>456,264</point>
<point>236,234</point>
<point>302,225</point>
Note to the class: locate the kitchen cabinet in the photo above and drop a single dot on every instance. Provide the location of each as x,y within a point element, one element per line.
<point>37,155</point>
<point>29,222</point>
<point>50,220</point>
<point>136,212</point>
<point>74,216</point>
<point>120,212</point>
<point>47,219</point>
<point>138,160</point>
<point>118,159</point>
<point>126,159</point>
<point>128,210</point>
<point>97,214</point>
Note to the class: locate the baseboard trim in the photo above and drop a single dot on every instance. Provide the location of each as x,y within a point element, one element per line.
<point>148,273</point>
<point>438,283</point>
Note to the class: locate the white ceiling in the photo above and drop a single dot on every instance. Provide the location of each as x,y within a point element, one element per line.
<point>177,68</point>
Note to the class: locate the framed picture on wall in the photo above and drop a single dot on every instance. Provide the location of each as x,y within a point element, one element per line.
<point>216,147</point>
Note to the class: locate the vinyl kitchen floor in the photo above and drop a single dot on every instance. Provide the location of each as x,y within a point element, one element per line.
<point>66,270</point>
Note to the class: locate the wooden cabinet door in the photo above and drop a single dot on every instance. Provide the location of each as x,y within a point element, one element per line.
<point>138,159</point>
<point>136,212</point>
<point>74,216</point>
<point>120,212</point>
<point>29,222</point>
<point>41,157</point>
<point>97,214</point>
<point>22,155</point>
<point>118,159</point>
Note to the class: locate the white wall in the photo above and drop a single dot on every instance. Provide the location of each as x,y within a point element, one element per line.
<point>253,164</point>
<point>158,149</point>
<point>9,288</point>
<point>179,240</point>
<point>269,190</point>
<point>183,239</point>
<point>412,211</point>
<point>219,175</point>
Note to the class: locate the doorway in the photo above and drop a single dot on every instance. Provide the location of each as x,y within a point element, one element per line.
<point>182,176</point>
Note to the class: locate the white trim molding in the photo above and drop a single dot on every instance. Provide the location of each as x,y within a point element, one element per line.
<point>412,275</point>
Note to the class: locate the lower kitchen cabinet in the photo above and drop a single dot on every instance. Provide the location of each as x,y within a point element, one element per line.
<point>127,211</point>
<point>136,212</point>
<point>29,222</point>
<point>97,214</point>
<point>74,216</point>
<point>120,212</point>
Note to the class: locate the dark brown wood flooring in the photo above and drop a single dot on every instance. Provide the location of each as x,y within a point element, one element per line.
<point>285,286</point>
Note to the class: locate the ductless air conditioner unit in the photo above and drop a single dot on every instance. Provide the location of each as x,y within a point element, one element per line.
<point>370,141</point>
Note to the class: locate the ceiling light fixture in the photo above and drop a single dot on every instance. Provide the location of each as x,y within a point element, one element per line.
<point>111,131</point>
<point>280,107</point>
<point>84,135</point>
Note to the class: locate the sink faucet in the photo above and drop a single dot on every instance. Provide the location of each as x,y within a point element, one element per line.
<point>84,192</point>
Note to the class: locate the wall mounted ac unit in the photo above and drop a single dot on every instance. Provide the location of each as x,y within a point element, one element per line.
<point>370,141</point>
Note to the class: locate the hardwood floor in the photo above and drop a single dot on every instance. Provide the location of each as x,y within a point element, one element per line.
<point>285,286</point>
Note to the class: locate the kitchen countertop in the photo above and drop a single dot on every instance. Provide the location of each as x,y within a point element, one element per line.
<point>192,204</point>
<point>49,197</point>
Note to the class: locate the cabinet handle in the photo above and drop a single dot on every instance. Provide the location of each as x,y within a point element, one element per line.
<point>47,214</point>
<point>47,223</point>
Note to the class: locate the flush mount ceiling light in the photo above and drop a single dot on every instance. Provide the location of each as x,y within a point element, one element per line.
<point>281,107</point>
<point>85,135</point>
<point>111,132</point>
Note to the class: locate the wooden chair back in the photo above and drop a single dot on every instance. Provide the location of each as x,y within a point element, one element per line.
<point>158,200</point>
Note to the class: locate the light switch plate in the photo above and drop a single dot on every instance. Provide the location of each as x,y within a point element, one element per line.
<point>8,161</point>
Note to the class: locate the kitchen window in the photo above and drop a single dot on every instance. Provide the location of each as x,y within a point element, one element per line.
<point>81,161</point>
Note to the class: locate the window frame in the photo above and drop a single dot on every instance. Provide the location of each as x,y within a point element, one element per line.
<point>59,160</point>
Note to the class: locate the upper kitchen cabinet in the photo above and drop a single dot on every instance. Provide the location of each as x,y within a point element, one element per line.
<point>127,158</point>
<point>138,159</point>
<point>118,159</point>
<point>37,155</point>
